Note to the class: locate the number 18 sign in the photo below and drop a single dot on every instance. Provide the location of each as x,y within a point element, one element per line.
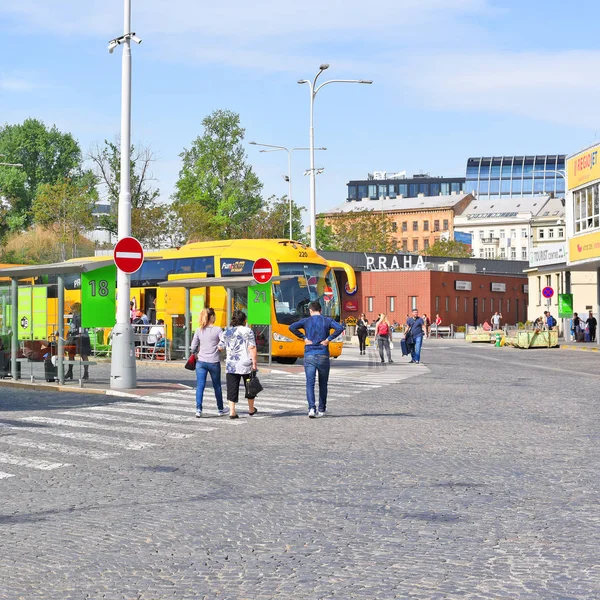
<point>98,297</point>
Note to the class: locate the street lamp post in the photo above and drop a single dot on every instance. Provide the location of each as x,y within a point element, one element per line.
<point>289,175</point>
<point>314,89</point>
<point>122,368</point>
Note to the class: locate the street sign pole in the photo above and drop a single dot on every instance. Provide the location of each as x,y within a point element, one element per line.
<point>122,368</point>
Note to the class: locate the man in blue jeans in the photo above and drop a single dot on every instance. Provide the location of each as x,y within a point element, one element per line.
<point>413,333</point>
<point>317,335</point>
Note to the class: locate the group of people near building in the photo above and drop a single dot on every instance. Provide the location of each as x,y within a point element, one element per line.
<point>584,331</point>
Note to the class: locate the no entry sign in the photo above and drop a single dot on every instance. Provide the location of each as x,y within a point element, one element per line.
<point>262,271</point>
<point>548,292</point>
<point>128,255</point>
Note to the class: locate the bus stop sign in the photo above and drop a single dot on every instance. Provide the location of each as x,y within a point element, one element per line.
<point>128,255</point>
<point>262,271</point>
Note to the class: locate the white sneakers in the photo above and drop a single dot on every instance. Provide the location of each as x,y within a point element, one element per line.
<point>198,414</point>
<point>312,413</point>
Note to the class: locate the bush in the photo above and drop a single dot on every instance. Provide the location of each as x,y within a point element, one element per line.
<point>460,329</point>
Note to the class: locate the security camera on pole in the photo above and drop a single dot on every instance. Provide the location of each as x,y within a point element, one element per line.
<point>122,368</point>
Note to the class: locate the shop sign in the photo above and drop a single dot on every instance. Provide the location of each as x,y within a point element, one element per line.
<point>548,254</point>
<point>583,167</point>
<point>464,286</point>
<point>498,287</point>
<point>565,306</point>
<point>381,263</point>
<point>351,306</point>
<point>348,291</point>
<point>584,246</point>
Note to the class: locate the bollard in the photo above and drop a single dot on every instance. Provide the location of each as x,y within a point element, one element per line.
<point>498,338</point>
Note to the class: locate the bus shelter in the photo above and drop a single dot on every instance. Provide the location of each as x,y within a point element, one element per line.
<point>230,284</point>
<point>33,271</point>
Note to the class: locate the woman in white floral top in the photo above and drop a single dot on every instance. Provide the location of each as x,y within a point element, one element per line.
<point>240,345</point>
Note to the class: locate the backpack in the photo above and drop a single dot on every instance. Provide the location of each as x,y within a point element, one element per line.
<point>383,329</point>
<point>551,321</point>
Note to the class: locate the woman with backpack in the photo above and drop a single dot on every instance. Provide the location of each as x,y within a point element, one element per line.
<point>383,335</point>
<point>362,331</point>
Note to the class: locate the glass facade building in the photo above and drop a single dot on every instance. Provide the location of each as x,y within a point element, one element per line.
<point>494,178</point>
<point>373,189</point>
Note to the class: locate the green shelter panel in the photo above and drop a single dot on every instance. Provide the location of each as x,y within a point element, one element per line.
<point>259,304</point>
<point>197,304</point>
<point>39,312</point>
<point>24,313</point>
<point>98,297</point>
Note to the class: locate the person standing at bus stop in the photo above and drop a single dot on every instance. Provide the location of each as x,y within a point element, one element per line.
<point>206,344</point>
<point>317,335</point>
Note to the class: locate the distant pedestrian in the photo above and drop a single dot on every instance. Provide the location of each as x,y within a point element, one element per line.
<point>362,331</point>
<point>438,322</point>
<point>383,335</point>
<point>592,325</point>
<point>240,345</point>
<point>577,328</point>
<point>549,320</point>
<point>427,322</point>
<point>317,335</point>
<point>496,317</point>
<point>206,344</point>
<point>413,333</point>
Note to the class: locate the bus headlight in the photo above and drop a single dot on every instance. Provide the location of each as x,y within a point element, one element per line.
<point>281,338</point>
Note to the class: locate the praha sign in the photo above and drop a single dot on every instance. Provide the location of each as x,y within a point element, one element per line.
<point>381,263</point>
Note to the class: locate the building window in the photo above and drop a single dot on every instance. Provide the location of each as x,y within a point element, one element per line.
<point>539,290</point>
<point>502,234</point>
<point>456,300</point>
<point>507,305</point>
<point>491,234</point>
<point>524,253</point>
<point>405,245</point>
<point>415,245</point>
<point>502,252</point>
<point>369,303</point>
<point>447,303</point>
<point>404,225</point>
<point>425,244</point>
<point>483,305</point>
<point>513,234</point>
<point>446,223</point>
<point>481,234</point>
<point>466,305</point>
<point>523,233</point>
<point>561,232</point>
<point>587,208</point>
<point>391,304</point>
<point>480,252</point>
<point>436,225</point>
<point>415,225</point>
<point>445,187</point>
<point>550,233</point>
<point>394,226</point>
<point>437,304</point>
<point>413,302</point>
<point>500,305</point>
<point>373,192</point>
<point>352,192</point>
<point>403,189</point>
<point>513,253</point>
<point>540,234</point>
<point>425,225</point>
<point>491,305</point>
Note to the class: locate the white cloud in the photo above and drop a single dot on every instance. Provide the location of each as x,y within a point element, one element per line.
<point>8,84</point>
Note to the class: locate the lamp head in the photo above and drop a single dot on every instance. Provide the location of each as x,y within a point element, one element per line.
<point>252,143</point>
<point>302,81</point>
<point>324,67</point>
<point>366,81</point>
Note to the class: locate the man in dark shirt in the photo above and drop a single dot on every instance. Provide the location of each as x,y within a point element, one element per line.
<point>592,324</point>
<point>317,335</point>
<point>413,332</point>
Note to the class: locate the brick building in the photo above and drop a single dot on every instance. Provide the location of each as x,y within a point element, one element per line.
<point>416,222</point>
<point>462,291</point>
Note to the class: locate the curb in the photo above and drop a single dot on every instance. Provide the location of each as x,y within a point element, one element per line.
<point>41,387</point>
<point>579,348</point>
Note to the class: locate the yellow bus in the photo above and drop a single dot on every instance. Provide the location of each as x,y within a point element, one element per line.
<point>312,278</point>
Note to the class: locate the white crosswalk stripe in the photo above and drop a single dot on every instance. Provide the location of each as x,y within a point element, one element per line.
<point>9,459</point>
<point>4,475</point>
<point>58,448</point>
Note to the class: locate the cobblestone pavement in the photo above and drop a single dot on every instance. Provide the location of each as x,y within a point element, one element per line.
<point>472,476</point>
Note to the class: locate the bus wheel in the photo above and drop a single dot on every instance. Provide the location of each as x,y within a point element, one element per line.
<point>285,360</point>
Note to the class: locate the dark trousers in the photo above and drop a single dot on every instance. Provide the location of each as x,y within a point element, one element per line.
<point>362,340</point>
<point>233,385</point>
<point>592,334</point>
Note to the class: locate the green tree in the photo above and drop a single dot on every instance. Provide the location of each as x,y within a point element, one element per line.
<point>146,213</point>
<point>273,220</point>
<point>367,231</point>
<point>47,155</point>
<point>216,184</point>
<point>66,209</point>
<point>449,248</point>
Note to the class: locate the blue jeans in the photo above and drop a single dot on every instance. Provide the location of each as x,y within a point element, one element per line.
<point>415,348</point>
<point>313,364</point>
<point>202,371</point>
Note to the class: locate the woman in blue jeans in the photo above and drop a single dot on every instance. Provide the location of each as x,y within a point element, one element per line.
<point>205,343</point>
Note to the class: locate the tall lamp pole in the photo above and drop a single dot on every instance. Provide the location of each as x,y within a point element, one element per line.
<point>122,368</point>
<point>289,175</point>
<point>314,89</point>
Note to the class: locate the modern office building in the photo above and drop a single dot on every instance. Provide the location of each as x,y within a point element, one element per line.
<point>498,177</point>
<point>383,185</point>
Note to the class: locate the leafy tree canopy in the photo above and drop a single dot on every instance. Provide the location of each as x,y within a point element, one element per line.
<point>273,220</point>
<point>215,184</point>
<point>449,248</point>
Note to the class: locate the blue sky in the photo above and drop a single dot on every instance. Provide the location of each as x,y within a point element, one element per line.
<point>452,79</point>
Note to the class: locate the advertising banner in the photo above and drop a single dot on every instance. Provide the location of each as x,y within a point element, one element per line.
<point>583,167</point>
<point>98,297</point>
<point>548,254</point>
<point>565,306</point>
<point>584,246</point>
<point>463,238</point>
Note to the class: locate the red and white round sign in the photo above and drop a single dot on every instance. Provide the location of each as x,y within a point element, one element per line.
<point>327,294</point>
<point>262,271</point>
<point>128,255</point>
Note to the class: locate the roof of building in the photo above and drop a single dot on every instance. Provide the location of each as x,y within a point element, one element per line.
<point>537,206</point>
<point>399,204</point>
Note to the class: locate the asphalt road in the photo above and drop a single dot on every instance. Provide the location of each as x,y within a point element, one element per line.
<point>474,475</point>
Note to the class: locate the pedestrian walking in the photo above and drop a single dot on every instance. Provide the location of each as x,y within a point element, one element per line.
<point>78,342</point>
<point>592,325</point>
<point>362,331</point>
<point>427,322</point>
<point>577,328</point>
<point>317,335</point>
<point>496,320</point>
<point>413,333</point>
<point>206,344</point>
<point>240,345</point>
<point>383,335</point>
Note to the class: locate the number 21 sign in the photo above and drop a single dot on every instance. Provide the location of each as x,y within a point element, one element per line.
<point>98,297</point>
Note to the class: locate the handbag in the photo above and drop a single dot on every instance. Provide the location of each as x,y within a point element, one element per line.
<point>190,365</point>
<point>391,345</point>
<point>254,386</point>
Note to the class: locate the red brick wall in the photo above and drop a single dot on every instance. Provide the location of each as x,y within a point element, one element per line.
<point>426,286</point>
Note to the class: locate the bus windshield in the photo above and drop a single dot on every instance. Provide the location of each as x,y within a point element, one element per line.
<point>313,282</point>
